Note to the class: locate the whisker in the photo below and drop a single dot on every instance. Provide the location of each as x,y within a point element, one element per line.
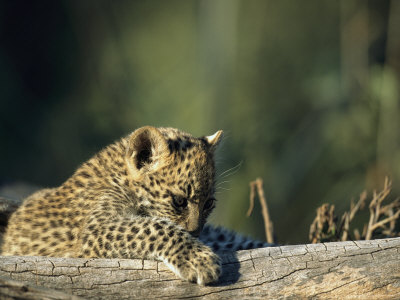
<point>221,188</point>
<point>230,171</point>
<point>221,183</point>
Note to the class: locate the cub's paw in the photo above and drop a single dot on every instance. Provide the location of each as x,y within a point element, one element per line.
<point>199,265</point>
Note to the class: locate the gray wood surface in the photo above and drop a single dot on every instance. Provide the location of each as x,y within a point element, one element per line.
<point>12,289</point>
<point>340,270</point>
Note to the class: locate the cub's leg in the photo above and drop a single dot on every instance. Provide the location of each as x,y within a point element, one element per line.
<point>151,238</point>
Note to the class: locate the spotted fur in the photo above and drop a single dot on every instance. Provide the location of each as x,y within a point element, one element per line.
<point>147,195</point>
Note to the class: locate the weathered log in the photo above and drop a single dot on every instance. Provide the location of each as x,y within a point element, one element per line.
<point>12,289</point>
<point>340,270</point>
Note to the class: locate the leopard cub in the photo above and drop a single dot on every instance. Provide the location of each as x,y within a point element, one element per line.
<point>145,196</point>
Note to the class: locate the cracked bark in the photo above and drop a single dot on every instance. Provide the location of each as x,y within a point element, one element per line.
<point>340,270</point>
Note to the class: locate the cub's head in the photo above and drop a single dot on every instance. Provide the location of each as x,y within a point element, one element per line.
<point>173,175</point>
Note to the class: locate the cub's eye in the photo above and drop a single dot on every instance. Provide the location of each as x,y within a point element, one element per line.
<point>209,204</point>
<point>179,202</point>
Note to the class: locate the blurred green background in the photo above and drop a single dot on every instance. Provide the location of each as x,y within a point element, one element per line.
<point>307,93</point>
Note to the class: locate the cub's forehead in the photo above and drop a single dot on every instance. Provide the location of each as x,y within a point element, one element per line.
<point>179,141</point>
<point>191,163</point>
<point>176,134</point>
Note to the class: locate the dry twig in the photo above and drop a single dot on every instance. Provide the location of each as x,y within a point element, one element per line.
<point>323,227</point>
<point>268,225</point>
<point>382,221</point>
<point>376,210</point>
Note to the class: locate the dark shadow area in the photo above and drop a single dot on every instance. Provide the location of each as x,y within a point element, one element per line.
<point>230,269</point>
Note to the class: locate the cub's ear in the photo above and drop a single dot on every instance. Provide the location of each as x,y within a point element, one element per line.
<point>147,149</point>
<point>215,139</point>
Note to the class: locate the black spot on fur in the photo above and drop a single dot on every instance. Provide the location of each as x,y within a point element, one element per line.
<point>107,246</point>
<point>215,246</point>
<point>70,236</point>
<point>85,174</point>
<point>79,183</point>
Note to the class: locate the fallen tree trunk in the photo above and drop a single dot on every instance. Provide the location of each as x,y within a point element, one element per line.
<point>339,270</point>
<point>361,269</point>
<point>12,289</point>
